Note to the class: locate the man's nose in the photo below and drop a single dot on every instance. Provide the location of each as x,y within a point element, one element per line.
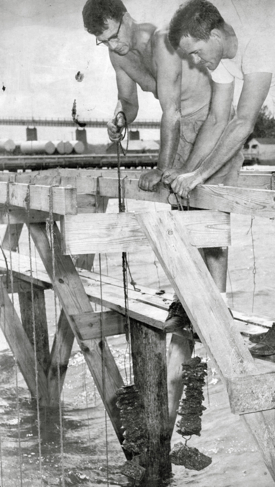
<point>113,44</point>
<point>196,58</point>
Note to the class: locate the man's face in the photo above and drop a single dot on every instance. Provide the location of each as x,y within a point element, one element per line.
<point>115,37</point>
<point>207,53</point>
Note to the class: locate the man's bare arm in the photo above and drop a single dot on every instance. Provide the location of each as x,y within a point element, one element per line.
<point>254,92</point>
<point>169,72</point>
<point>210,132</point>
<point>127,99</point>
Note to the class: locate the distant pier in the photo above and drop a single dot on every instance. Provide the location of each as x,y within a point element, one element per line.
<point>67,122</point>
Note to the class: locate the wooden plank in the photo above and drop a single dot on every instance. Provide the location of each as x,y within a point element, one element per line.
<point>12,235</point>
<point>254,180</point>
<point>120,232</point>
<point>74,300</point>
<point>80,178</point>
<point>209,315</point>
<point>33,314</point>
<point>60,356</point>
<point>153,312</point>
<point>63,199</point>
<point>264,321</point>
<point>246,201</point>
<point>20,216</point>
<point>97,324</point>
<point>21,347</point>
<point>255,202</point>
<point>150,373</point>
<point>64,337</point>
<point>86,203</point>
<point>252,393</point>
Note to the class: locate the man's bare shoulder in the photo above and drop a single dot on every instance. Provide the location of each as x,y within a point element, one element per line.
<point>161,43</point>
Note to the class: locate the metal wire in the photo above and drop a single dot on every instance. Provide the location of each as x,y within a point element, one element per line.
<point>51,232</point>
<point>34,337</point>
<point>7,204</point>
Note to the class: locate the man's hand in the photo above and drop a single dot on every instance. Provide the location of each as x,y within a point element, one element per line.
<point>115,128</point>
<point>149,180</point>
<point>170,175</point>
<point>184,183</point>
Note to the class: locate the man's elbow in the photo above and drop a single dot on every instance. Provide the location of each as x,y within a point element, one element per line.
<point>172,116</point>
<point>244,126</point>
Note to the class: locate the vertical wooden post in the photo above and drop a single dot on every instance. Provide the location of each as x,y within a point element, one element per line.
<point>21,347</point>
<point>149,366</point>
<point>11,236</point>
<point>35,310</point>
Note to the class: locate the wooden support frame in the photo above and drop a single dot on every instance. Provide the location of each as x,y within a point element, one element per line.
<point>74,301</point>
<point>237,367</point>
<point>33,314</point>
<point>121,232</point>
<point>208,314</point>
<point>21,347</point>
<point>64,200</point>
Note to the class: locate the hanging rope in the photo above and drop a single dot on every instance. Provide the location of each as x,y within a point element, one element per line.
<point>34,336</point>
<point>7,210</point>
<point>103,369</point>
<point>50,227</point>
<point>120,116</point>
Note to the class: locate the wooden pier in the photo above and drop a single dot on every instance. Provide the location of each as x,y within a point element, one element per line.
<point>65,214</point>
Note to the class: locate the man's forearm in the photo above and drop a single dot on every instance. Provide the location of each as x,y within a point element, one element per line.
<point>169,139</point>
<point>208,137</point>
<point>230,142</point>
<point>129,109</point>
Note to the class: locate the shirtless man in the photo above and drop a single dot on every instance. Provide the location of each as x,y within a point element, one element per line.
<point>141,55</point>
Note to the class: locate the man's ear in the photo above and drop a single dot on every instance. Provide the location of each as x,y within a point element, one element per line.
<point>215,34</point>
<point>126,16</point>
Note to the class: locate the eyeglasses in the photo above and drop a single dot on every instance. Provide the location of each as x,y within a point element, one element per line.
<point>112,38</point>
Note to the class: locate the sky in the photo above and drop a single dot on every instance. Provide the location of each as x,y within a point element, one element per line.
<point>43,45</point>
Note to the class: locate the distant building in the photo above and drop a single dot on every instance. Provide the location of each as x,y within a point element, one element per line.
<point>260,150</point>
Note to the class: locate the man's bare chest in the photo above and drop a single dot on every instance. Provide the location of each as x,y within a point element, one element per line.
<point>142,71</point>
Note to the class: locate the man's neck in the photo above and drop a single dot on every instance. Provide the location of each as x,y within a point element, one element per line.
<point>230,42</point>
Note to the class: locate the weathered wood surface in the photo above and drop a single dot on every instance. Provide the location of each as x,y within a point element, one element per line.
<point>252,393</point>
<point>248,178</point>
<point>12,234</point>
<point>209,315</point>
<point>150,373</point>
<point>22,348</point>
<point>64,336</point>
<point>257,202</point>
<point>64,199</point>
<point>113,294</point>
<point>34,321</point>
<point>121,232</point>
<point>74,301</point>
<point>99,324</point>
<point>19,216</point>
<point>60,356</point>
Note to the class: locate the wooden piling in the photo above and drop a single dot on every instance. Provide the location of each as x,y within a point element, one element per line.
<point>149,367</point>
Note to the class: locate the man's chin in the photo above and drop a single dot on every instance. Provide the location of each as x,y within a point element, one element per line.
<point>123,51</point>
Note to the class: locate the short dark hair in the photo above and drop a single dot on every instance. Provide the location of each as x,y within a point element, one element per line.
<point>96,13</point>
<point>196,19</point>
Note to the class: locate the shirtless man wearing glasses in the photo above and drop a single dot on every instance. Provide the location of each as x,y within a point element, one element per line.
<point>142,55</point>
